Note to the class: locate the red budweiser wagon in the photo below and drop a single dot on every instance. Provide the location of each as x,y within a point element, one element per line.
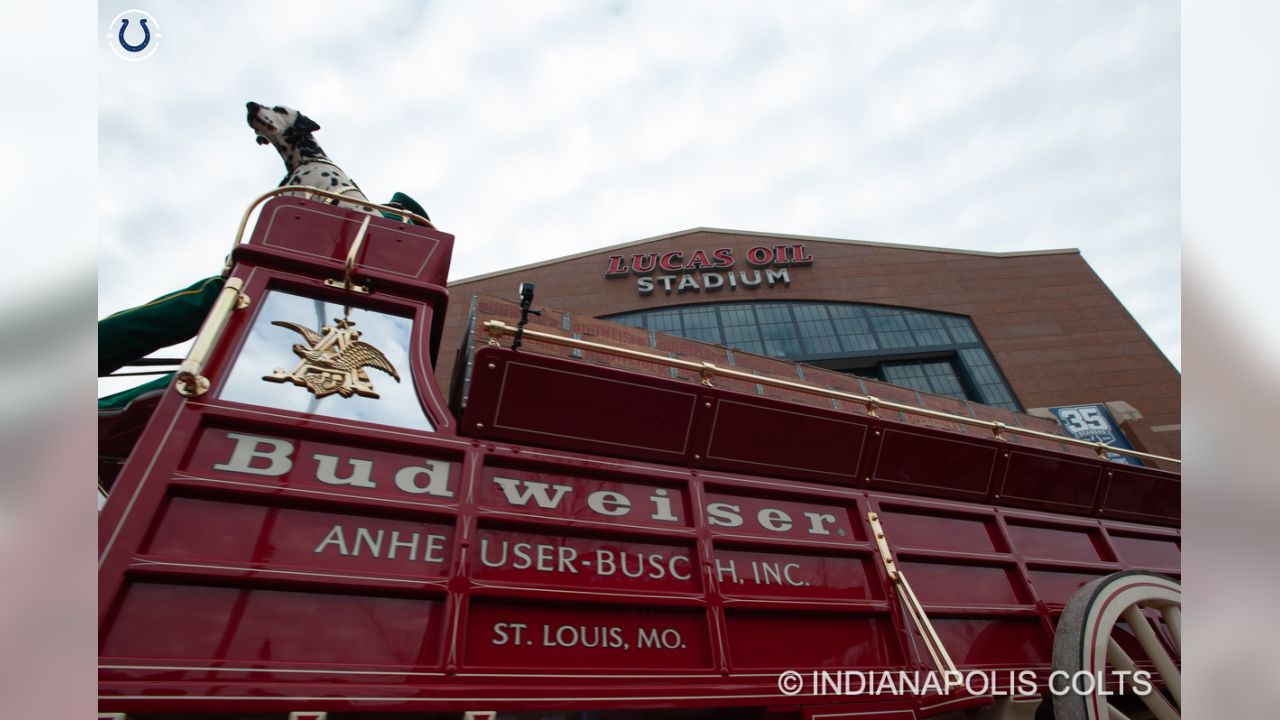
<point>305,529</point>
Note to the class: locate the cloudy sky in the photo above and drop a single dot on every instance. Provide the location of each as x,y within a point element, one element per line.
<point>532,130</point>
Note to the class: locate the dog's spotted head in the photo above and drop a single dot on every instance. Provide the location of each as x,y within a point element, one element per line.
<point>280,126</point>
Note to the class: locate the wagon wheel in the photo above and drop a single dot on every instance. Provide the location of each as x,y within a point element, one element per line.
<point>1088,640</point>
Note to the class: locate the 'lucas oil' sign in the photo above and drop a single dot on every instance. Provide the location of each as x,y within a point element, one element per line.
<point>679,271</point>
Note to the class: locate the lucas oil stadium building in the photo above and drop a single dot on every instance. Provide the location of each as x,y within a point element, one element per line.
<point>1013,336</point>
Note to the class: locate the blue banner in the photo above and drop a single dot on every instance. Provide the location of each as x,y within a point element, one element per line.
<point>1093,423</point>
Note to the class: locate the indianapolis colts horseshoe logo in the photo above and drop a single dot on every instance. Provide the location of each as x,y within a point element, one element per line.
<point>146,36</point>
<point>133,35</point>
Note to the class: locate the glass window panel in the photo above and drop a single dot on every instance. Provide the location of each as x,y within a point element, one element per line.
<point>934,376</point>
<point>701,324</point>
<point>904,371</point>
<point>751,346</point>
<point>821,345</point>
<point>943,379</point>
<point>810,312</point>
<point>815,328</point>
<point>887,323</point>
<point>270,347</point>
<point>846,311</point>
<point>777,330</point>
<point>708,335</point>
<point>738,323</point>
<point>852,326</point>
<point>996,395</point>
<point>854,331</point>
<point>773,313</point>
<point>859,343</point>
<point>890,327</point>
<point>896,339</point>
<point>961,330</point>
<point>930,337</point>
<point>810,330</point>
<point>817,338</point>
<point>737,315</point>
<point>780,340</point>
<point>885,320</point>
<point>665,322</point>
<point>906,375</point>
<point>741,333</point>
<point>922,321</point>
<point>699,317</point>
<point>927,329</point>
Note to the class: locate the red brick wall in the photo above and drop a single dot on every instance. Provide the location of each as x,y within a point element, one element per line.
<point>1056,331</point>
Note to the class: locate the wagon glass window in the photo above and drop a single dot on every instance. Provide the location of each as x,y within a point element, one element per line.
<point>308,356</point>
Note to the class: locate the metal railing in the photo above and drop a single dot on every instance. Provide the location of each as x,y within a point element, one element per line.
<point>706,371</point>
<point>308,191</point>
<point>191,381</point>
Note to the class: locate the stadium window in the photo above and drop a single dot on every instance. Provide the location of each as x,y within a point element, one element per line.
<point>932,352</point>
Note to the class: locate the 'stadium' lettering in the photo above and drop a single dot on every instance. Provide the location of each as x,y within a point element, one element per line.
<point>711,282</point>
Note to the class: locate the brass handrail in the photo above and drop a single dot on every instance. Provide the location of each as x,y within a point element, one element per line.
<point>191,381</point>
<point>349,266</point>
<point>932,642</point>
<point>405,215</point>
<point>707,370</point>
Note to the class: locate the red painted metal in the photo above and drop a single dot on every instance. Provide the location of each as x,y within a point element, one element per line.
<point>587,538</point>
<point>643,417</point>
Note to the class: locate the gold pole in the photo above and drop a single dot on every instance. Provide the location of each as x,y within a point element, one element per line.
<point>932,643</point>
<point>190,381</point>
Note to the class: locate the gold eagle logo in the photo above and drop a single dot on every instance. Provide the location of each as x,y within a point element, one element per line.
<point>333,361</point>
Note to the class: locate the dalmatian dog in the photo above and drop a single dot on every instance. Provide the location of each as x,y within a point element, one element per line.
<point>305,163</point>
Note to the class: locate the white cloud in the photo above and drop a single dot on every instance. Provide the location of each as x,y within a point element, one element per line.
<point>532,130</point>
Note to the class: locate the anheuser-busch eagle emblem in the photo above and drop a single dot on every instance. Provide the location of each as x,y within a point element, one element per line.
<point>333,361</point>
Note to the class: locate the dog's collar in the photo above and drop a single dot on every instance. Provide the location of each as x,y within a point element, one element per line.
<point>322,161</point>
<point>313,161</point>
<point>299,166</point>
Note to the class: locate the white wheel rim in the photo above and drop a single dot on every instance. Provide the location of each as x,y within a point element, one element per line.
<point>1105,602</point>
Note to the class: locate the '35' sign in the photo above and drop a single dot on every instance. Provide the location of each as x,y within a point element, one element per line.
<point>1093,423</point>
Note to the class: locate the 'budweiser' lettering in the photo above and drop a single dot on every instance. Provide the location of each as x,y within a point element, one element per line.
<point>563,496</point>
